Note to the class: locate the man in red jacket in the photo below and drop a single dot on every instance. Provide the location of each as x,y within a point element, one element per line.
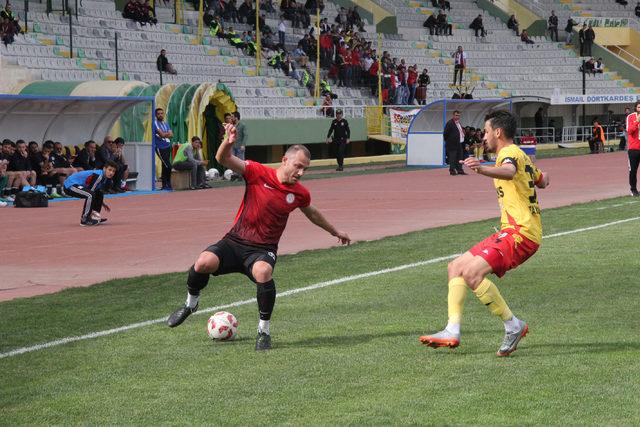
<point>633,141</point>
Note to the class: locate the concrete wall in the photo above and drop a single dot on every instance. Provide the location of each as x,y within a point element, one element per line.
<point>297,131</point>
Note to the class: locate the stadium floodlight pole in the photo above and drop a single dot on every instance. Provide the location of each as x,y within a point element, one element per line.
<point>316,92</point>
<point>70,33</point>
<point>26,16</point>
<point>584,92</point>
<point>258,44</point>
<point>76,9</point>
<point>160,77</point>
<point>200,21</point>
<point>116,46</point>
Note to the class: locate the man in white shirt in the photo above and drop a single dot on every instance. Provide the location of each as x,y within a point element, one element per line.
<point>282,28</point>
<point>459,64</point>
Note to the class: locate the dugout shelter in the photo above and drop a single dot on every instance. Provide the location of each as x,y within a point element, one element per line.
<point>73,120</point>
<point>425,142</point>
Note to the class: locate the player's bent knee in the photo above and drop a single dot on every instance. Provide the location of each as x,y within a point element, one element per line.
<point>207,262</point>
<point>472,279</point>
<point>261,271</point>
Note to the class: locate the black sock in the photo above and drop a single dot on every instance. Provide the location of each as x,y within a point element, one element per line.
<point>196,281</point>
<point>266,296</point>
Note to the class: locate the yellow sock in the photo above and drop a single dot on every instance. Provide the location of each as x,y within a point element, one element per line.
<point>490,296</point>
<point>457,294</point>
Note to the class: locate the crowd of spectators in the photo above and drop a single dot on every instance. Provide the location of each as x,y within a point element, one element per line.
<point>27,164</point>
<point>140,11</point>
<point>9,25</point>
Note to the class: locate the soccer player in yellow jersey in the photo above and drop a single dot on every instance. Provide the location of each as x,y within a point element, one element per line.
<point>515,178</point>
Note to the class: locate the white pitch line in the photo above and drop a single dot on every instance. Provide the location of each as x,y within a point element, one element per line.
<point>320,285</point>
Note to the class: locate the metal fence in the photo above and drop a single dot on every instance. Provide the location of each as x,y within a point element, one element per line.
<point>582,133</point>
<point>543,135</point>
<point>300,112</point>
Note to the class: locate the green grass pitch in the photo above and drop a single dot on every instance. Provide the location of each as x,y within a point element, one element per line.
<point>349,353</point>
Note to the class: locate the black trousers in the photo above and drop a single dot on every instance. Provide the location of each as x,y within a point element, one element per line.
<point>455,155</point>
<point>341,147</point>
<point>457,69</point>
<point>165,157</point>
<point>92,199</point>
<point>634,161</point>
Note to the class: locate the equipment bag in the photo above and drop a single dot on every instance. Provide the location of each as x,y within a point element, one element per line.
<point>31,199</point>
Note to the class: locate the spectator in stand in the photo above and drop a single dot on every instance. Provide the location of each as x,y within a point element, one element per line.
<point>20,163</point>
<point>589,66</point>
<point>327,106</point>
<point>582,40</point>
<point>432,24</point>
<point>598,67</point>
<point>524,36</point>
<point>622,2</point>
<point>149,15</point>
<point>7,14</point>
<point>637,10</point>
<point>246,12</point>
<point>569,29</point>
<point>86,158</point>
<point>589,38</point>
<point>7,32</point>
<point>282,31</point>
<point>163,64</point>
<point>552,25</point>
<point>513,24</point>
<point>412,83</point>
<point>230,11</point>
<point>443,25</point>
<point>161,134</point>
<point>423,81</point>
<point>478,26</point>
<point>267,6</point>
<point>444,5</point>
<point>459,64</point>
<point>342,16</point>
<point>188,157</point>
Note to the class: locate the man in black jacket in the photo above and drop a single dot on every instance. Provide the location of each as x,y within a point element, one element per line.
<point>581,38</point>
<point>86,158</point>
<point>453,138</point>
<point>341,134</point>
<point>589,37</point>
<point>553,26</point>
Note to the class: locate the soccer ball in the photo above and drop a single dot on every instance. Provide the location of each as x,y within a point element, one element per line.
<point>222,326</point>
<point>228,174</point>
<point>213,174</point>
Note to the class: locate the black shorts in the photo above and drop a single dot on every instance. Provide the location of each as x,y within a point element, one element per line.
<point>238,258</point>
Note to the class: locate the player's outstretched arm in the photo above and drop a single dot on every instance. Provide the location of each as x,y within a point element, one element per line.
<point>318,219</point>
<point>225,156</point>
<point>506,171</point>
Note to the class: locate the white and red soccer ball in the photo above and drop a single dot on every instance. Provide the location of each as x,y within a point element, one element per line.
<point>222,326</point>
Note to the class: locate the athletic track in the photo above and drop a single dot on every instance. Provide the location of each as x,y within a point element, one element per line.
<point>45,250</point>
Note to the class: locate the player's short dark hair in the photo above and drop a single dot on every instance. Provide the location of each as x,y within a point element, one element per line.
<point>8,142</point>
<point>111,164</point>
<point>237,114</point>
<point>89,142</point>
<point>158,109</point>
<point>119,140</point>
<point>456,111</point>
<point>195,138</point>
<point>21,141</point>
<point>503,119</point>
<point>298,147</point>
<point>48,145</point>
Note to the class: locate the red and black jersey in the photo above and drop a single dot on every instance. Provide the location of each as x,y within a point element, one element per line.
<point>265,208</point>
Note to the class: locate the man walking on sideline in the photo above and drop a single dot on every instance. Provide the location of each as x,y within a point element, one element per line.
<point>633,142</point>
<point>251,246</point>
<point>161,135</point>
<point>514,177</point>
<point>454,137</point>
<point>341,134</point>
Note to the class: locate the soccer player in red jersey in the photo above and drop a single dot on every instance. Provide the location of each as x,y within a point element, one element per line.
<point>250,247</point>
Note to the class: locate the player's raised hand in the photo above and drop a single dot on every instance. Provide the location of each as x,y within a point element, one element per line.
<point>231,133</point>
<point>343,237</point>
